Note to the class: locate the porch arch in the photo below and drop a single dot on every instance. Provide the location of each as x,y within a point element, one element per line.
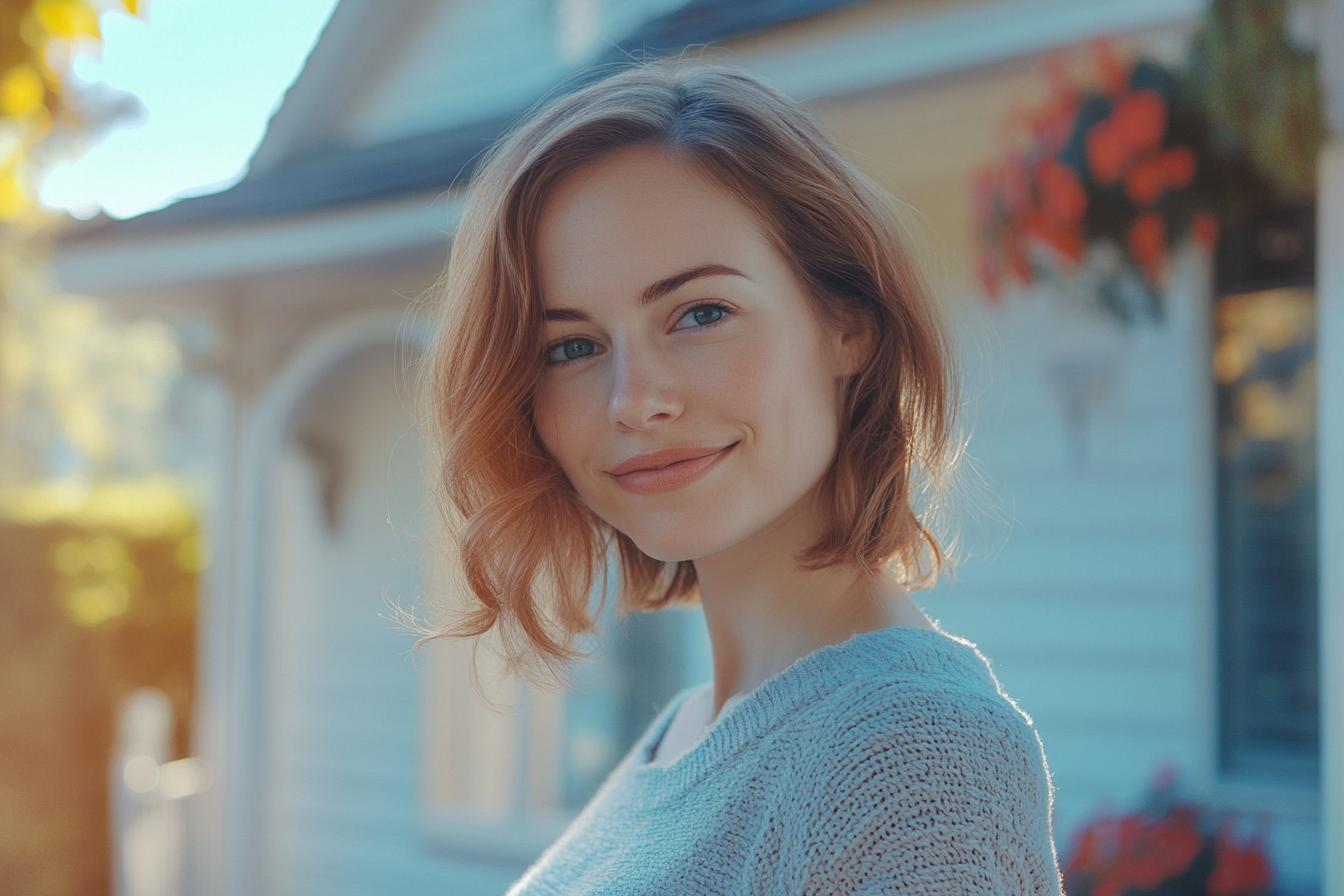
<point>235,673</point>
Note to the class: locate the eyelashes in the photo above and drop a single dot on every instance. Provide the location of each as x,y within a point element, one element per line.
<point>714,311</point>
<point>574,349</point>
<point>703,316</point>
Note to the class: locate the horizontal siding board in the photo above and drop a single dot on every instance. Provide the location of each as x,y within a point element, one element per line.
<point>1134,563</point>
<point>1159,695</point>
<point>1146,505</point>
<point>1103,458</point>
<point>1099,723</point>
<point>1049,596</point>
<point>1072,626</point>
<point>1121,759</point>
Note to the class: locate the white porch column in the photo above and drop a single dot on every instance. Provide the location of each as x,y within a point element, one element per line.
<point>1330,459</point>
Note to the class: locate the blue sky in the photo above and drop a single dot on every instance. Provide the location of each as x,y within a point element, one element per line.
<point>208,73</point>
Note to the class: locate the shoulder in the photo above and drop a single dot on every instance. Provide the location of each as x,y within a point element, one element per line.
<point>948,724</point>
<point>926,722</point>
<point>957,738</point>
<point>938,774</point>
<point>941,686</point>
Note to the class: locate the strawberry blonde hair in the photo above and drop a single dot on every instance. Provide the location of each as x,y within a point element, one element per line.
<point>528,549</point>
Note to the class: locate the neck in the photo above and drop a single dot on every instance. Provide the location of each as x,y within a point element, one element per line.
<point>763,612</point>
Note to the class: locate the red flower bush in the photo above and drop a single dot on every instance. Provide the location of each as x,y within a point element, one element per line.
<point>1165,849</point>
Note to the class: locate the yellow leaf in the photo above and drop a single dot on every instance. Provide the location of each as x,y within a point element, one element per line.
<point>21,92</point>
<point>13,197</point>
<point>67,18</point>
<point>131,7</point>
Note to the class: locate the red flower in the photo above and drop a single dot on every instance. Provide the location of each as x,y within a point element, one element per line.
<point>1204,228</point>
<point>1062,196</point>
<point>1180,162</point>
<point>1172,845</point>
<point>1140,119</point>
<point>1147,237</point>
<point>1065,239</point>
<point>1135,126</point>
<point>1054,125</point>
<point>1107,154</point>
<point>1239,870</point>
<point>1153,174</point>
<point>1088,854</point>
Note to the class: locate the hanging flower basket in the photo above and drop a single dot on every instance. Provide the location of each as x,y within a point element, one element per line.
<point>1096,187</point>
<point>1102,179</point>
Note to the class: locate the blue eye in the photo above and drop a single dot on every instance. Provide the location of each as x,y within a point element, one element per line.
<point>703,316</point>
<point>571,350</point>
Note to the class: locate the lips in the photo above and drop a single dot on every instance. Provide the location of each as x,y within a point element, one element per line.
<point>668,469</point>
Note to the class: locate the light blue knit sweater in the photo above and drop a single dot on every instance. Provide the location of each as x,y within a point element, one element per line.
<point>891,763</point>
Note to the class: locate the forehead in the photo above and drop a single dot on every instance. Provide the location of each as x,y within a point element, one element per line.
<point>635,216</point>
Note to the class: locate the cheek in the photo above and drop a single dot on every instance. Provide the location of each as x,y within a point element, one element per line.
<point>571,420</point>
<point>779,386</point>
<point>554,415</point>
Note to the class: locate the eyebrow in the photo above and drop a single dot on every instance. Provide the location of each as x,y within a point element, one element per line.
<point>655,291</point>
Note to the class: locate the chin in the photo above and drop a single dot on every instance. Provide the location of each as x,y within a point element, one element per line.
<point>671,541</point>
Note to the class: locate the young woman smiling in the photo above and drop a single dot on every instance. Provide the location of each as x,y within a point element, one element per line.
<point>680,328</point>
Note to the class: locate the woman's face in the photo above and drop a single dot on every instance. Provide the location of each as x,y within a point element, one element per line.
<point>689,392</point>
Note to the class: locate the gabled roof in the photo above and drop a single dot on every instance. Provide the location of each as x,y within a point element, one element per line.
<point>336,178</point>
<point>705,21</point>
<point>291,174</point>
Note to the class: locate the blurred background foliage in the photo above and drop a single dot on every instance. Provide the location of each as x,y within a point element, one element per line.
<point>1253,69</point>
<point>99,542</point>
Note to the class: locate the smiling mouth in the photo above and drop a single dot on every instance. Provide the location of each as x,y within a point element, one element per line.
<point>669,475</point>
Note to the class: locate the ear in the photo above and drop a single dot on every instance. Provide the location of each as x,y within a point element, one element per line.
<point>854,346</point>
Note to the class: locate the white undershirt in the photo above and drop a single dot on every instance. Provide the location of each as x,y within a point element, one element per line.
<point>689,726</point>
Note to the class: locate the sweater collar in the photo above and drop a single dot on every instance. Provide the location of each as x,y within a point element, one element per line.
<point>920,652</point>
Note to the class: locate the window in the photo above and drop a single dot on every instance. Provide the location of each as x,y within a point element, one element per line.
<point>502,781</point>
<point>1264,363</point>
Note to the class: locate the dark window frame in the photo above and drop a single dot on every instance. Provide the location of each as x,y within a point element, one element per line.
<point>1267,571</point>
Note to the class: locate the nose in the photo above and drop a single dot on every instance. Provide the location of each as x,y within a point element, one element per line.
<point>643,392</point>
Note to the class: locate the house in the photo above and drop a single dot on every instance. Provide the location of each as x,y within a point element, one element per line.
<point>343,766</point>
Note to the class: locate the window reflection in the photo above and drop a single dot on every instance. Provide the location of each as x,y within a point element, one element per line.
<point>1264,367</point>
<point>614,698</point>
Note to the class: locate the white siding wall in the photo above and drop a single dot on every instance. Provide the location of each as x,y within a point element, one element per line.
<point>1090,599</point>
<point>1093,599</point>
<point>344,792</point>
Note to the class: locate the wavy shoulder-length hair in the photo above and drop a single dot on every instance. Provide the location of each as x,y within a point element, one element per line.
<point>528,550</point>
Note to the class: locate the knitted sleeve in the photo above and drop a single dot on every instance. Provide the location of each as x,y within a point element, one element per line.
<point>935,792</point>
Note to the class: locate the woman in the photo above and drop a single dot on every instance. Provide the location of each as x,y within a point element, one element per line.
<point>680,326</point>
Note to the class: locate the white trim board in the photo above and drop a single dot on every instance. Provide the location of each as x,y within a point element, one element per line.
<point>906,49</point>
<point>137,261</point>
<point>1330,467</point>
